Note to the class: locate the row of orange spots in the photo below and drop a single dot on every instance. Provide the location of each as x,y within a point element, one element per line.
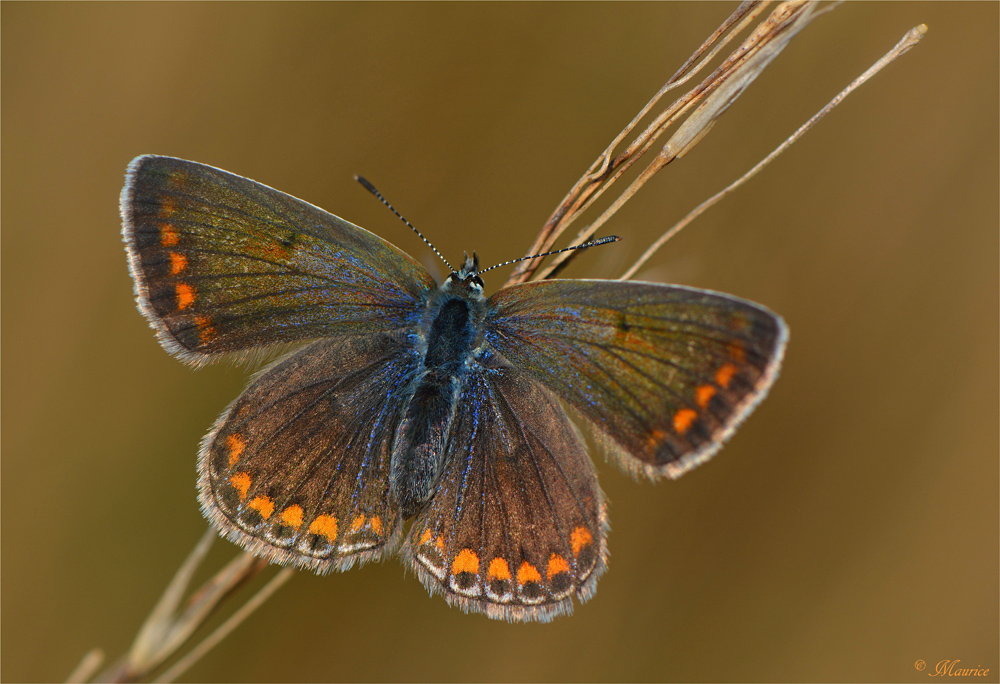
<point>178,262</point>
<point>465,561</point>
<point>169,237</point>
<point>357,523</point>
<point>185,295</point>
<point>263,505</point>
<point>291,516</point>
<point>468,561</point>
<point>325,525</point>
<point>236,445</point>
<point>579,538</point>
<point>685,417</point>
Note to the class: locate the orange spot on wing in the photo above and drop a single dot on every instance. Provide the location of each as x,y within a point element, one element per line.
<point>527,573</point>
<point>236,445</point>
<point>725,374</point>
<point>241,481</point>
<point>704,394</point>
<point>579,538</point>
<point>167,207</point>
<point>263,505</point>
<point>292,516</point>
<point>325,525</point>
<point>439,543</point>
<point>498,570</point>
<point>557,564</point>
<point>206,331</point>
<point>465,561</point>
<point>178,262</point>
<point>185,295</point>
<point>425,537</point>
<point>357,523</point>
<point>683,420</point>
<point>376,524</point>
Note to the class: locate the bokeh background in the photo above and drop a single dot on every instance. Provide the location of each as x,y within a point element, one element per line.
<point>850,527</point>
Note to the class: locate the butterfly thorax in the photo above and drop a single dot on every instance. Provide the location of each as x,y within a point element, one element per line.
<point>449,335</point>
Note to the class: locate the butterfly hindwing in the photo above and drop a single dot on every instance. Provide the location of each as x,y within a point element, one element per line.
<point>222,263</point>
<point>297,469</point>
<point>665,373</point>
<point>517,525</point>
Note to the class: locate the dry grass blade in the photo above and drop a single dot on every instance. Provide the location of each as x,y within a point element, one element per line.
<point>709,100</point>
<point>87,668</point>
<point>607,167</point>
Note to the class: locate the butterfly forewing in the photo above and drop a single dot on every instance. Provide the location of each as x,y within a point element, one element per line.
<point>517,525</point>
<point>222,263</point>
<point>297,469</point>
<point>664,372</point>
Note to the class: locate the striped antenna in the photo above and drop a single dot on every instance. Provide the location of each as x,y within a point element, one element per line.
<point>371,188</point>
<point>585,245</point>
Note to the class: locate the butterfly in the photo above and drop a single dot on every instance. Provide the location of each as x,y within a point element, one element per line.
<point>412,400</point>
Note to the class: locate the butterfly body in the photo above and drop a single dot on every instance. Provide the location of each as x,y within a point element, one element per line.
<point>435,404</point>
<point>447,342</point>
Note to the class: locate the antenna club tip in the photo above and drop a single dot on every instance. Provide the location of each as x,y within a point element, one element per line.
<point>364,182</point>
<point>602,241</point>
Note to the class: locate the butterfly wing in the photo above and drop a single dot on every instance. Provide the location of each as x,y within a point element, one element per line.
<point>665,373</point>
<point>517,525</point>
<point>222,263</point>
<point>297,469</point>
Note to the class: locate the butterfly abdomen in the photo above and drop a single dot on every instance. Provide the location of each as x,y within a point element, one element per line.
<point>419,451</point>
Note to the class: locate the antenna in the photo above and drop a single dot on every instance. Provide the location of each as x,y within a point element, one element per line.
<point>585,245</point>
<point>372,189</point>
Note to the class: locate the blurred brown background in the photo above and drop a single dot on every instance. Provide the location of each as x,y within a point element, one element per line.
<point>849,529</point>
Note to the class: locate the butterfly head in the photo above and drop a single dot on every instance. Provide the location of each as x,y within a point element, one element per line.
<point>467,278</point>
